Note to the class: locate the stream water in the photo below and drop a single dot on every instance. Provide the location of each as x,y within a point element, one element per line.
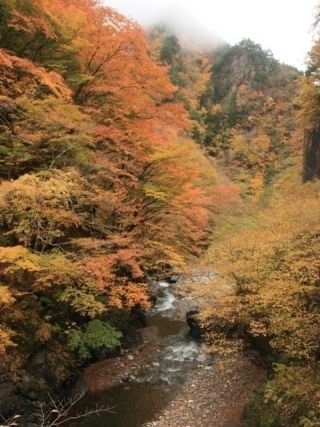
<point>138,402</point>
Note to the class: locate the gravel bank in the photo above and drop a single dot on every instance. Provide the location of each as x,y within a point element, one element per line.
<point>213,396</point>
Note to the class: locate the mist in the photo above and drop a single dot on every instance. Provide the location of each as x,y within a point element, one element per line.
<point>187,27</point>
<point>283,26</point>
<point>174,17</point>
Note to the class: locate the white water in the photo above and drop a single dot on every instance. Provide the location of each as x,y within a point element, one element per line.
<point>148,392</point>
<point>184,351</point>
<point>180,351</point>
<point>165,299</point>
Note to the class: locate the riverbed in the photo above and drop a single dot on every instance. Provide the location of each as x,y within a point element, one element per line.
<point>171,380</point>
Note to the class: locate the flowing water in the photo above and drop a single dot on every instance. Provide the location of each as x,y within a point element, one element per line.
<point>138,402</point>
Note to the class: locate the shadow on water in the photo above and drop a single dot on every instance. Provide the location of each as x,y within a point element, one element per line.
<point>134,405</point>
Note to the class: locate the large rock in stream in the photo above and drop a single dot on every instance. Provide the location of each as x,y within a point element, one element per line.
<point>196,331</point>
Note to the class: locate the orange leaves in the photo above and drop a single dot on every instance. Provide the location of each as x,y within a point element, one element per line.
<point>29,77</point>
<point>113,57</point>
<point>119,276</point>
<point>100,186</point>
<point>178,181</point>
<point>225,195</point>
<point>147,185</point>
<point>31,24</point>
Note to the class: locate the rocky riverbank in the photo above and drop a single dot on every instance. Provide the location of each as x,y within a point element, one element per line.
<point>124,368</point>
<point>213,396</point>
<point>172,377</point>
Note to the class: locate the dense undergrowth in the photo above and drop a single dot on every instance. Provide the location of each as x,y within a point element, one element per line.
<point>271,255</point>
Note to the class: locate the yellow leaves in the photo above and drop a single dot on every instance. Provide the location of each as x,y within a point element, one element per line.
<point>22,268</point>
<point>309,96</point>
<point>18,258</point>
<point>6,297</point>
<point>251,154</point>
<point>83,302</point>
<point>261,143</point>
<point>161,252</point>
<point>178,186</point>
<point>39,208</point>
<point>98,191</point>
<point>57,261</point>
<point>256,185</point>
<point>309,100</point>
<point>6,336</point>
<point>275,266</point>
<point>292,395</point>
<point>154,193</point>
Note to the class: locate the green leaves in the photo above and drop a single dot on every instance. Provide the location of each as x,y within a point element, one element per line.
<point>96,335</point>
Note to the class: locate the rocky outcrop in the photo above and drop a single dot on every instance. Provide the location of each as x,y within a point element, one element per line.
<point>196,331</point>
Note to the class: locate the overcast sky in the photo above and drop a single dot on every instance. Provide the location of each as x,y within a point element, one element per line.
<point>284,26</point>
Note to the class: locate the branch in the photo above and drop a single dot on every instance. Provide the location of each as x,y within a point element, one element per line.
<point>10,422</point>
<point>57,412</point>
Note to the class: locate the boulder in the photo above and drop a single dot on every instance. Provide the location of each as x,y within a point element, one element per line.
<point>196,330</point>
<point>173,279</point>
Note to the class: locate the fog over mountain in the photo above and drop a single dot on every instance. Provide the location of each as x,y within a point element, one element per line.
<point>281,26</point>
<point>188,28</point>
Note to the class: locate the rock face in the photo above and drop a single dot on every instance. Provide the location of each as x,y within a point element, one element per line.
<point>245,63</point>
<point>311,166</point>
<point>195,328</point>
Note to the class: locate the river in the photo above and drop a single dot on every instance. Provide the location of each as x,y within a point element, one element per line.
<point>138,402</point>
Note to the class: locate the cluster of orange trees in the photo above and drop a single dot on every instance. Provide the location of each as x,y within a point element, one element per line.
<point>100,185</point>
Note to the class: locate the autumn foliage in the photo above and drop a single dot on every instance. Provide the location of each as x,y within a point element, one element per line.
<point>265,249</point>
<point>100,186</point>
<point>123,159</point>
<point>250,115</point>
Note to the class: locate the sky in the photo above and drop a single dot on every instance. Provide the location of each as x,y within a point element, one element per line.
<point>283,26</point>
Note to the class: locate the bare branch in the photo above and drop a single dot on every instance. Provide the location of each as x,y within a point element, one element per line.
<point>58,412</point>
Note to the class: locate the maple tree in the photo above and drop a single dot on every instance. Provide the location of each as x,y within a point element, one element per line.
<point>265,245</point>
